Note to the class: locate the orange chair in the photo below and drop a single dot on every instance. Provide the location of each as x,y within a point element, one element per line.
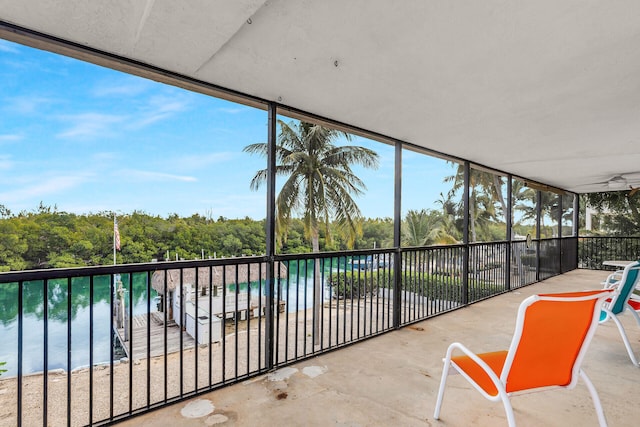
<point>552,334</point>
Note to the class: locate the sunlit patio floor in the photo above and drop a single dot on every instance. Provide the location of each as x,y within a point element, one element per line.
<point>392,380</point>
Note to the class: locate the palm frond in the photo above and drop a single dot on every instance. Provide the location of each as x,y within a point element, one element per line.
<point>259,178</point>
<point>258,148</point>
<point>320,184</point>
<point>347,155</point>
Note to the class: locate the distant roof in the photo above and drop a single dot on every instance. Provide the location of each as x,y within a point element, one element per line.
<point>231,274</point>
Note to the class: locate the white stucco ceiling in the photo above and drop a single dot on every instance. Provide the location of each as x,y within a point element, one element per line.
<point>547,90</point>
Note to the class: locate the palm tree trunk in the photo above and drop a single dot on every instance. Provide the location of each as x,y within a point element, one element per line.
<point>472,215</point>
<point>498,187</point>
<point>317,290</point>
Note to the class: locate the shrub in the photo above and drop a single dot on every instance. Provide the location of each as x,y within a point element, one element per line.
<point>357,284</point>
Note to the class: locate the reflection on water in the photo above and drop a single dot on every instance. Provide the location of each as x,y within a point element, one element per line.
<point>297,290</point>
<point>33,316</point>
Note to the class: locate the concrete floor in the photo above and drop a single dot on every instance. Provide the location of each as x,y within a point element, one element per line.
<point>392,380</point>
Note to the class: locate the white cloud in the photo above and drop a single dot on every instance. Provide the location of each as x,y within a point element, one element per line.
<point>160,108</point>
<point>43,188</point>
<point>6,46</point>
<point>155,176</point>
<point>10,137</point>
<point>201,161</point>
<point>5,162</point>
<point>104,157</point>
<point>229,110</point>
<point>124,87</point>
<point>27,104</point>
<point>89,124</point>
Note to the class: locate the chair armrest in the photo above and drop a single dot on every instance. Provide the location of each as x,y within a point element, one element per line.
<point>612,279</point>
<point>485,367</point>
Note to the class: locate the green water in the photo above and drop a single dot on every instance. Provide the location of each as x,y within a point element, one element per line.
<point>58,318</point>
<point>299,291</point>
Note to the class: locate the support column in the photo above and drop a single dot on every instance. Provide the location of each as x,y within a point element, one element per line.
<point>576,227</point>
<point>465,233</point>
<point>269,310</point>
<point>559,216</point>
<point>397,238</point>
<point>538,221</point>
<point>509,218</point>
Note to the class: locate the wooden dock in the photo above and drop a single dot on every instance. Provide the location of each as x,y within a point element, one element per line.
<point>139,347</point>
<point>136,348</point>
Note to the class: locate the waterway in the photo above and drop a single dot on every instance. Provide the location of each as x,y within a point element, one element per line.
<point>298,289</point>
<point>56,321</point>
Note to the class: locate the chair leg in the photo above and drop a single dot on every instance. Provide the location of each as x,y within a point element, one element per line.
<point>508,408</point>
<point>634,314</point>
<point>625,339</point>
<point>596,399</point>
<point>443,381</point>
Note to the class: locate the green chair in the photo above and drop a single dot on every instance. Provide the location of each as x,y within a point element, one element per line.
<point>624,283</point>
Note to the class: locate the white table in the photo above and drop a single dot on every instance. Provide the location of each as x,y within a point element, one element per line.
<point>617,263</point>
<point>620,264</point>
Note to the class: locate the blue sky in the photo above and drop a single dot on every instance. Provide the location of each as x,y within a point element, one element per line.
<point>87,139</point>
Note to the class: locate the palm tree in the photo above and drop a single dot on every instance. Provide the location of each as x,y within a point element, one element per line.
<point>485,190</point>
<point>427,227</point>
<point>320,184</point>
<point>449,232</point>
<point>416,227</point>
<point>524,201</point>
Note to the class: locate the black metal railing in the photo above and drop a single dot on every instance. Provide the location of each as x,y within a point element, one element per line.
<point>431,282</point>
<point>592,251</point>
<point>487,270</point>
<point>524,263</point>
<point>117,341</point>
<point>90,346</point>
<point>332,301</point>
<point>549,258</point>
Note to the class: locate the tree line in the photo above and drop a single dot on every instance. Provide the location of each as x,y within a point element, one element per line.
<point>48,238</point>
